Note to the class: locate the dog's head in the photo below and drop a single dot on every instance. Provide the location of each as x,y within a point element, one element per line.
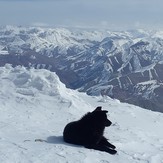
<point>102,115</point>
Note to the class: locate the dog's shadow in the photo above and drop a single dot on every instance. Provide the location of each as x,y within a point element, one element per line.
<point>58,140</point>
<point>55,140</point>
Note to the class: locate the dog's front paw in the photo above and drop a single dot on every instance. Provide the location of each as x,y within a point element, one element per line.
<point>112,151</point>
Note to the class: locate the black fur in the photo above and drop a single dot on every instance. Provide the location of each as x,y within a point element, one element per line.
<point>88,131</point>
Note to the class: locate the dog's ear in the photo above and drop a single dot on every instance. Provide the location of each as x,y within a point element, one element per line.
<point>98,108</point>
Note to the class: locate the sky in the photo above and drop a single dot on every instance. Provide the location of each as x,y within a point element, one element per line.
<point>110,14</point>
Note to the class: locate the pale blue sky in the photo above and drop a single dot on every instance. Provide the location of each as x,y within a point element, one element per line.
<point>112,14</point>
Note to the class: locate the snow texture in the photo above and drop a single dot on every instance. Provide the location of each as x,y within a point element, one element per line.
<point>35,107</point>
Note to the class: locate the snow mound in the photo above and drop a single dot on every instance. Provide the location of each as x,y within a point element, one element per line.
<point>35,106</point>
<point>32,81</point>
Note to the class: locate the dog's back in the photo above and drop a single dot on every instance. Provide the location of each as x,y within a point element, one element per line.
<point>71,133</point>
<point>77,132</point>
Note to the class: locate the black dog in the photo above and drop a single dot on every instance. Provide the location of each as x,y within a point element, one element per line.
<point>88,131</point>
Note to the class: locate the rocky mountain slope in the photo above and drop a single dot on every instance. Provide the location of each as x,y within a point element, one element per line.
<point>126,65</point>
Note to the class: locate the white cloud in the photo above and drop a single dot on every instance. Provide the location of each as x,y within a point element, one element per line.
<point>39,24</point>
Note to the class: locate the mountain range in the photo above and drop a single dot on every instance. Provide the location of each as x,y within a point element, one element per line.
<point>125,65</point>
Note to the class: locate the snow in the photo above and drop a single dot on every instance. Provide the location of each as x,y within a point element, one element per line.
<point>40,39</point>
<point>35,106</point>
<point>158,34</point>
<point>4,52</point>
<point>148,87</point>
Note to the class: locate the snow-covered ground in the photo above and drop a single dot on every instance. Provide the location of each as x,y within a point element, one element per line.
<point>35,105</point>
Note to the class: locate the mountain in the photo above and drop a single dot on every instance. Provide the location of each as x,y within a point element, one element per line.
<point>36,106</point>
<point>126,65</point>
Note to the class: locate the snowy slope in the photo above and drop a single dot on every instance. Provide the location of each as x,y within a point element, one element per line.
<point>35,105</point>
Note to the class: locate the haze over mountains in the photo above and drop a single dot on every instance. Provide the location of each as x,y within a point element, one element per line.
<point>126,65</point>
